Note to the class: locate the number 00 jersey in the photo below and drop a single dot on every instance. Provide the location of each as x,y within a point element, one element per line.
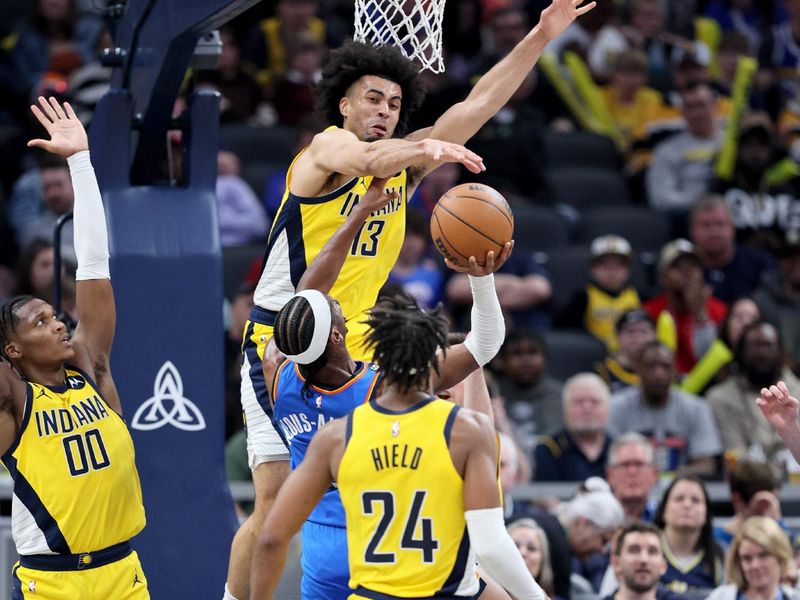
<point>76,488</point>
<point>303,226</point>
<point>404,503</point>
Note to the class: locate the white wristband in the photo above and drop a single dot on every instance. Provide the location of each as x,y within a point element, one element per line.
<point>89,220</point>
<point>498,555</point>
<point>488,327</point>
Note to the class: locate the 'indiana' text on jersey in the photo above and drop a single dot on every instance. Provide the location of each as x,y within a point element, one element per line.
<point>404,502</point>
<point>300,414</point>
<point>76,488</point>
<point>303,226</point>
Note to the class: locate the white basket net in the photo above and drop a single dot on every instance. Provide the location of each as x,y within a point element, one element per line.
<point>414,26</point>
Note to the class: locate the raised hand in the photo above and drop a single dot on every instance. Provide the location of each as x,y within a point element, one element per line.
<point>67,135</point>
<point>558,16</point>
<point>442,151</point>
<point>490,265</point>
<point>375,197</point>
<point>779,407</point>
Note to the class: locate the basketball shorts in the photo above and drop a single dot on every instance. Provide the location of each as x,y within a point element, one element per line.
<point>265,441</point>
<point>67,577</point>
<point>363,594</point>
<point>326,572</point>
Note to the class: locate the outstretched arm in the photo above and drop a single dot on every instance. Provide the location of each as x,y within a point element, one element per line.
<point>488,328</point>
<point>95,297</point>
<point>493,90</point>
<point>340,151</point>
<point>323,271</point>
<point>299,495</point>
<point>780,409</point>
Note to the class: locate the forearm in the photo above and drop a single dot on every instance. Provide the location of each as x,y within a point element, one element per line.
<point>791,437</point>
<point>323,271</point>
<point>498,556</point>
<point>488,327</point>
<point>476,394</point>
<point>90,231</point>
<point>269,558</point>
<point>385,158</point>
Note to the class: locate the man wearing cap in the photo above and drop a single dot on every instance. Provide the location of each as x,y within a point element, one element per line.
<point>686,314</point>
<point>635,329</point>
<point>608,293</point>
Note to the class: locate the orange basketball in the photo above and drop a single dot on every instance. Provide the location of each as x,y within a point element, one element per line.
<point>470,220</point>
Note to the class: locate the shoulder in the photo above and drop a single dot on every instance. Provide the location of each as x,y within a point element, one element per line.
<point>472,428</point>
<point>722,392</point>
<point>624,397</point>
<point>331,435</point>
<point>686,400</point>
<point>723,592</point>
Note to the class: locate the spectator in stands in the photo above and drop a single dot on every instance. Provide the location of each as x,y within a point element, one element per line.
<point>638,563</point>
<point>632,474</point>
<point>732,47</point>
<point>35,271</point>
<point>506,27</point>
<point>717,365</point>
<point>523,288</point>
<point>760,360</point>
<point>763,207</point>
<point>267,46</point>
<point>678,424</point>
<point>532,398</point>
<point>694,559</point>
<point>240,215</point>
<point>294,96</point>
<point>531,541</point>
<point>512,143</point>
<point>779,294</point>
<point>590,520</point>
<point>685,308</point>
<point>515,509</point>
<point>745,18</point>
<point>275,185</point>
<point>580,450</point>
<point>630,103</point>
<point>52,43</point>
<point>635,329</point>
<point>35,210</point>
<point>685,311</point>
<point>682,166</point>
<point>607,295</point>
<point>415,270</point>
<point>759,560</point>
<point>754,492</point>
<point>779,55</point>
<point>434,187</point>
<point>241,94</point>
<point>732,270</point>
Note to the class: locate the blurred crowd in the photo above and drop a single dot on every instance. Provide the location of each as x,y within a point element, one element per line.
<point>651,160</point>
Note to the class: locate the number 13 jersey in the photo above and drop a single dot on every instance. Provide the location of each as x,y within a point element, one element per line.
<point>76,487</point>
<point>303,226</point>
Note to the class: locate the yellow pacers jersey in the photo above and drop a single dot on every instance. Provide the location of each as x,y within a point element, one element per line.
<point>76,488</point>
<point>302,227</point>
<point>603,310</point>
<point>404,502</point>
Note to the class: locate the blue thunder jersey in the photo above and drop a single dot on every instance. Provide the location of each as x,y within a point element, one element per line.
<point>299,415</point>
<point>76,488</point>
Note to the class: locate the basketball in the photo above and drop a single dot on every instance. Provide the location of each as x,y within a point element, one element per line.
<point>470,220</point>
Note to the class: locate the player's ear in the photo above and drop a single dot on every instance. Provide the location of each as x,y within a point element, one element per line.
<point>12,351</point>
<point>336,336</point>
<point>344,106</point>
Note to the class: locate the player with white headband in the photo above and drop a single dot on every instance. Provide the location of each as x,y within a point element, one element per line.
<point>314,380</point>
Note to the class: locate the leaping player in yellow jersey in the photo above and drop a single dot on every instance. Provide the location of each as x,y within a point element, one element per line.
<point>77,498</point>
<point>417,477</point>
<point>366,95</point>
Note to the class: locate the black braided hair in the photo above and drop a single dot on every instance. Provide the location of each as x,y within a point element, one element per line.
<point>348,63</point>
<point>293,330</point>
<point>9,320</point>
<point>404,339</point>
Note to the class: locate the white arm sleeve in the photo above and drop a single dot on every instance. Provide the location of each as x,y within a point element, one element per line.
<point>498,556</point>
<point>488,327</point>
<point>89,220</point>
